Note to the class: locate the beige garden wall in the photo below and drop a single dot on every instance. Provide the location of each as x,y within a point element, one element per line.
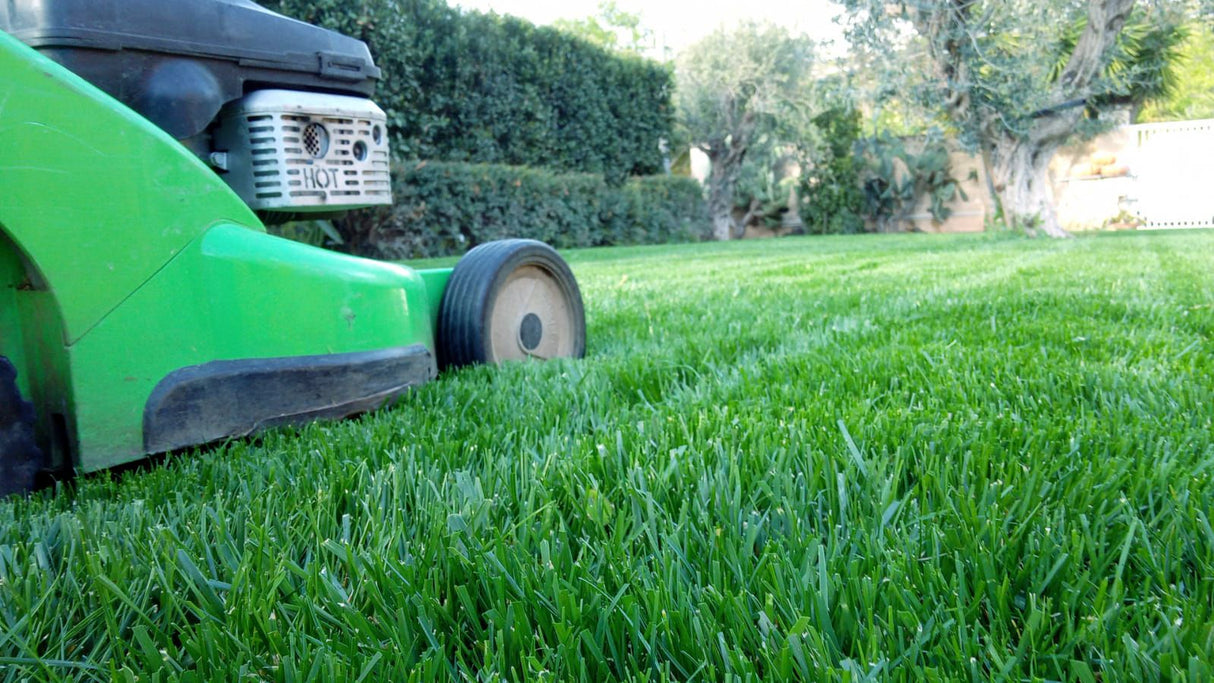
<point>1147,176</point>
<point>1150,176</point>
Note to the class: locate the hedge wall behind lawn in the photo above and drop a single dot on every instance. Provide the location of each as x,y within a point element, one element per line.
<point>447,208</point>
<point>489,89</point>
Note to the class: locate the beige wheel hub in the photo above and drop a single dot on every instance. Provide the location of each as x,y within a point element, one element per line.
<point>531,318</point>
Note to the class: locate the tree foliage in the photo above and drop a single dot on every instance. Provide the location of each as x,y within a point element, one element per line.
<point>737,89</point>
<point>490,89</point>
<point>612,28</point>
<point>1192,95</point>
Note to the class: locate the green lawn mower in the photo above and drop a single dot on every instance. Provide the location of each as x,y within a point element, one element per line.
<point>143,306</point>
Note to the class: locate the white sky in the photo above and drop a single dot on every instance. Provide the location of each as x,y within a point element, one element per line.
<point>678,24</point>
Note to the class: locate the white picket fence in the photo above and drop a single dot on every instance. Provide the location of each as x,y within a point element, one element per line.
<point>1172,171</point>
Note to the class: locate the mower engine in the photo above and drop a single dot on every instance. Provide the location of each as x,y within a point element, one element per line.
<point>279,108</point>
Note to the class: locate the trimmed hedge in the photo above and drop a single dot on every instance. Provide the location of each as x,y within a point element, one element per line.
<point>448,208</point>
<point>490,89</point>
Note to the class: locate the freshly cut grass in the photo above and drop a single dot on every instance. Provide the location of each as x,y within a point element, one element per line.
<point>865,458</point>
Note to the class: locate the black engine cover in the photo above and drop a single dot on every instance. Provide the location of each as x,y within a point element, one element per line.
<point>177,62</point>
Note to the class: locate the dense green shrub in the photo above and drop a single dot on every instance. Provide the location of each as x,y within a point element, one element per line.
<point>490,89</point>
<point>899,173</point>
<point>874,182</point>
<point>832,201</point>
<point>446,208</point>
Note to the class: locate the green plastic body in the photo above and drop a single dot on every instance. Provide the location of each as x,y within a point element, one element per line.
<point>123,258</point>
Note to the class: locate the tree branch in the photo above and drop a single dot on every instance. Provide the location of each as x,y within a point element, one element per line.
<point>1087,60</point>
<point>945,25</point>
<point>1084,66</point>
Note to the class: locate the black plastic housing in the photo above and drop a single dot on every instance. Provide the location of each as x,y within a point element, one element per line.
<point>177,62</point>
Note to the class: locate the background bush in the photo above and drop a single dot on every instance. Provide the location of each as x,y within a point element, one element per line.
<point>490,89</point>
<point>832,201</point>
<point>899,172</point>
<point>446,208</point>
<point>874,181</point>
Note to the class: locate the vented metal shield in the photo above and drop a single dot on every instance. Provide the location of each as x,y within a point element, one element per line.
<point>304,152</point>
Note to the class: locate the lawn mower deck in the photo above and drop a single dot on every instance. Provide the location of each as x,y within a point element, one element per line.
<point>144,308</point>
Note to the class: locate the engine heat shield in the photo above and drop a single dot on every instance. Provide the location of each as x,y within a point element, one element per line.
<point>304,152</point>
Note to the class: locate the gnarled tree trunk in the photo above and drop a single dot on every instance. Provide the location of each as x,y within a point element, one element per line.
<point>1020,174</point>
<point>726,159</point>
<point>721,184</point>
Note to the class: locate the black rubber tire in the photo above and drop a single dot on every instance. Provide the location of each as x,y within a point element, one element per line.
<point>20,459</point>
<point>466,313</point>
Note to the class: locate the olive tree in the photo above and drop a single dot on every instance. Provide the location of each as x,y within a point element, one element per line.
<point>1019,79</point>
<point>612,29</point>
<point>736,88</point>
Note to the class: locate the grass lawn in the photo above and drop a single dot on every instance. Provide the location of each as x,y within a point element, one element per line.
<point>858,458</point>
